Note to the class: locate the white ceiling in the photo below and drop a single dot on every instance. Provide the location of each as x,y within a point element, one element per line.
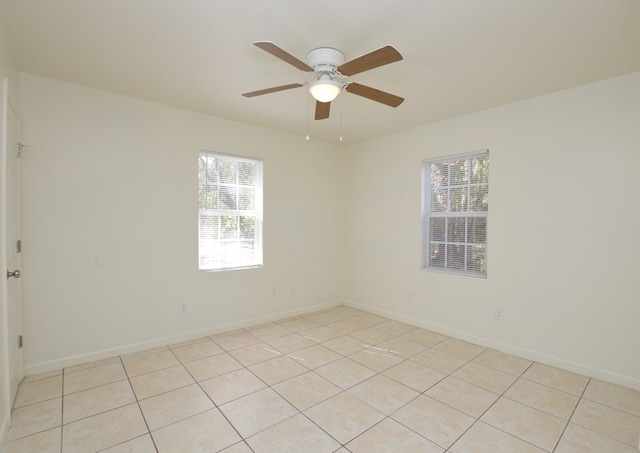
<point>460,56</point>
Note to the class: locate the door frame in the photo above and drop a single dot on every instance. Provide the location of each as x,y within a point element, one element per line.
<point>9,375</point>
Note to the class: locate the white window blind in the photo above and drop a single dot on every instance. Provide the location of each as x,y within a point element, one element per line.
<point>230,211</point>
<point>455,209</point>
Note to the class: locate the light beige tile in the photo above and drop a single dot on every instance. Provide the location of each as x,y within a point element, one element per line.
<point>320,334</point>
<point>608,421</point>
<point>577,439</point>
<point>459,348</point>
<point>234,340</point>
<point>93,377</point>
<point>531,425</point>
<point>95,363</point>
<point>233,385</point>
<point>202,433</point>
<point>389,436</point>
<point>347,326</point>
<point>541,397</point>
<point>144,352</point>
<point>35,418</point>
<point>299,324</point>
<point>240,447</point>
<point>463,396</point>
<point>43,442</point>
<point>315,356</point>
<point>345,312</point>
<point>424,337</point>
<point>368,319</point>
<point>170,407</point>
<point>269,332</point>
<point>189,342</point>
<point>257,411</point>
<point>414,375</point>
<point>306,390</point>
<point>346,345</point>
<point>437,422</point>
<point>384,394</point>
<point>324,318</point>
<point>96,400</point>
<point>256,353</point>
<point>261,325</point>
<point>503,362</point>
<point>344,416</point>
<point>345,373</point>
<point>148,363</point>
<point>487,378</point>
<point>277,370</point>
<point>372,336</point>
<point>142,444</point>
<point>38,390</point>
<point>37,377</point>
<point>395,327</point>
<point>212,366</point>
<point>197,351</point>
<point>615,396</point>
<point>483,438</point>
<point>291,343</point>
<point>376,358</point>
<point>103,430</point>
<point>161,381</point>
<point>295,434</point>
<point>556,378</point>
<point>438,360</point>
<point>401,347</point>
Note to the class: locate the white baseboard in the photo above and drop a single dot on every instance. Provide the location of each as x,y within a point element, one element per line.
<point>535,356</point>
<point>545,359</point>
<point>58,364</point>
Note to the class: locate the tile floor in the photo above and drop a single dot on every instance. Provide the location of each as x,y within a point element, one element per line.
<point>339,380</point>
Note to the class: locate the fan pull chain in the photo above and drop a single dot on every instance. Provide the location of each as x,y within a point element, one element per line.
<point>307,138</point>
<point>341,103</point>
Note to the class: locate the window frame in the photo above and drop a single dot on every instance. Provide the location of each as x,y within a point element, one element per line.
<point>428,214</point>
<point>257,212</point>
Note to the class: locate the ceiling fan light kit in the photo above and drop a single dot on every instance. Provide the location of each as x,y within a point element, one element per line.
<point>325,90</point>
<point>327,64</point>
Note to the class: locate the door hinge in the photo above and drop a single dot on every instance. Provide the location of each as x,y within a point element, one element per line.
<point>18,246</point>
<point>20,341</point>
<point>19,148</point>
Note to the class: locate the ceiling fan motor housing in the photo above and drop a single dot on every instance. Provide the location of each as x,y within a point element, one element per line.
<point>325,59</point>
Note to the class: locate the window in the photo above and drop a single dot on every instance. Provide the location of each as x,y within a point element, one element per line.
<point>230,211</point>
<point>454,215</point>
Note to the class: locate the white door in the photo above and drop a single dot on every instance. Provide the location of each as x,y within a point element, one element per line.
<point>11,205</point>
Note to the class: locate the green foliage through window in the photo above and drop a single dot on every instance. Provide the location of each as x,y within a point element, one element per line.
<point>230,207</point>
<point>455,211</point>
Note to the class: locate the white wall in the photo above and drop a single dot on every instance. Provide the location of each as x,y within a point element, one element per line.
<point>563,228</point>
<point>108,174</point>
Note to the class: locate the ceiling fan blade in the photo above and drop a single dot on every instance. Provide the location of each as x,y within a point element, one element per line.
<point>322,110</point>
<point>375,95</point>
<point>277,52</point>
<point>377,58</point>
<point>271,90</point>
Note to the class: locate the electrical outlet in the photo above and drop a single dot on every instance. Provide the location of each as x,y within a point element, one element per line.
<point>273,292</point>
<point>410,296</point>
<point>183,308</point>
<point>499,314</point>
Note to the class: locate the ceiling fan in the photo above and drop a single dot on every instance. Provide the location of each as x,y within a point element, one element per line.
<point>327,65</point>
